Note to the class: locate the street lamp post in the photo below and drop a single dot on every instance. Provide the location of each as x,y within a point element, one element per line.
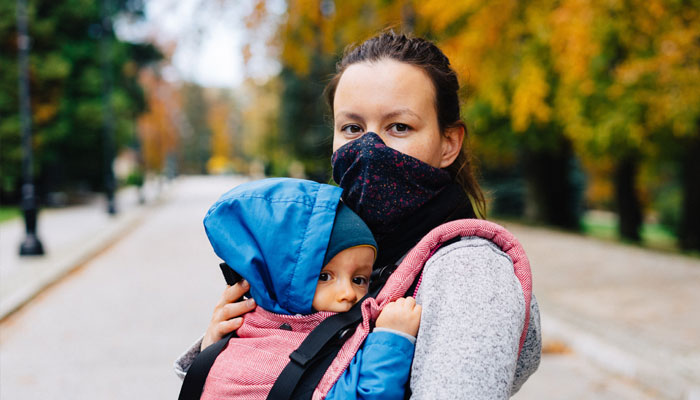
<point>108,111</point>
<point>31,246</point>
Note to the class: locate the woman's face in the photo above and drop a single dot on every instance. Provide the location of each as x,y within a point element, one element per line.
<point>395,100</point>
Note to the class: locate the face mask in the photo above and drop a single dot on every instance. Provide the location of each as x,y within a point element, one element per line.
<point>382,185</point>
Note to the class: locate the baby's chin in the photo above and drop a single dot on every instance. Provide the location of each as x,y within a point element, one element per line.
<point>340,307</point>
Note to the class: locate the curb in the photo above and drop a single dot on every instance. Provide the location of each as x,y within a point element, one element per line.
<point>39,273</point>
<point>671,376</point>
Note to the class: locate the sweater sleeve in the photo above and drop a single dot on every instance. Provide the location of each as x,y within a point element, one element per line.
<point>183,363</point>
<point>378,371</point>
<point>531,352</point>
<point>473,315</point>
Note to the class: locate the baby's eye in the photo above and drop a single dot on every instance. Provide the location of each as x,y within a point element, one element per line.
<point>360,280</point>
<point>351,129</point>
<point>324,276</point>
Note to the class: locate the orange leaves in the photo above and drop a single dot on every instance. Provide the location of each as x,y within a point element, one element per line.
<point>572,41</point>
<point>158,128</point>
<point>44,112</point>
<point>606,71</point>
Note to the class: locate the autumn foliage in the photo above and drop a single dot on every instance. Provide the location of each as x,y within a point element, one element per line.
<point>612,84</point>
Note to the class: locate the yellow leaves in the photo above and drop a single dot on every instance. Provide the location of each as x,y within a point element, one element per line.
<point>529,98</point>
<point>218,121</point>
<point>473,55</point>
<point>493,92</point>
<point>312,29</point>
<point>442,13</point>
<point>572,42</point>
<point>567,107</point>
<point>296,58</point>
<point>219,165</point>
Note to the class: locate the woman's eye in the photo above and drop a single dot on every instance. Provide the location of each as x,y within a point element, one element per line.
<point>324,276</point>
<point>360,280</point>
<point>400,128</point>
<point>351,130</point>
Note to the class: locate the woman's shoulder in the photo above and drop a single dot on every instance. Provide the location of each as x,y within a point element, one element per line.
<point>470,250</point>
<point>473,265</point>
<point>478,247</point>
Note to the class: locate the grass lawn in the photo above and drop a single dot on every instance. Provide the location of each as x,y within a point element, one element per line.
<point>604,226</point>
<point>8,213</point>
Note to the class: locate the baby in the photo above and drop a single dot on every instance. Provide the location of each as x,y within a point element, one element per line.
<point>305,256</point>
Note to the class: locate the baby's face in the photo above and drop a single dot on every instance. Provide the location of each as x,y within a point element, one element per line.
<point>344,280</point>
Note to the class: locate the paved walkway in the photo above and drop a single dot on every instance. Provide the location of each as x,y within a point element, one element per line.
<point>618,322</point>
<point>632,311</point>
<point>70,236</point>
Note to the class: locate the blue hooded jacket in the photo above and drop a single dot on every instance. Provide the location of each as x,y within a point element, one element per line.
<point>274,233</point>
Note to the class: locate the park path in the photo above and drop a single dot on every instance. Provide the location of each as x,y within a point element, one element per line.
<point>112,328</point>
<point>632,311</point>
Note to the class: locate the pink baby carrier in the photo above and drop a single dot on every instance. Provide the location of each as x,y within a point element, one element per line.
<point>272,355</point>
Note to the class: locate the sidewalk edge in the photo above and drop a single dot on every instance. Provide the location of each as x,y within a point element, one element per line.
<point>659,375</point>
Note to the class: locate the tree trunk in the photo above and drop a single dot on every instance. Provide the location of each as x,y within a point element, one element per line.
<point>690,221</point>
<point>552,195</point>
<point>628,208</point>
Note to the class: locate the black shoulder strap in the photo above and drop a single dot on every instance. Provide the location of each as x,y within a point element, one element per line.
<point>196,377</point>
<point>311,359</point>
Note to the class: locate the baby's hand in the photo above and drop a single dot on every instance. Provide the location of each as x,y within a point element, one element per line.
<point>401,315</point>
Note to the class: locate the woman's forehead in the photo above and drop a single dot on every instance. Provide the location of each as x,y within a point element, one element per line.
<point>384,87</point>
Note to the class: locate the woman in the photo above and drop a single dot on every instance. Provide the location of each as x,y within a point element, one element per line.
<point>398,155</point>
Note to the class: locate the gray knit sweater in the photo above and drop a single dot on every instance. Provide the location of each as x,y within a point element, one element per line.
<point>473,315</point>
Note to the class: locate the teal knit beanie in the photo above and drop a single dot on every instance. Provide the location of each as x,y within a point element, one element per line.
<point>348,231</point>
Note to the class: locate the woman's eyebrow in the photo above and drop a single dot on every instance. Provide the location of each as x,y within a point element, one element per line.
<point>401,111</point>
<point>351,116</point>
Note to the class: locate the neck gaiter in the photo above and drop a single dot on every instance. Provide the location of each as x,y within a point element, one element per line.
<point>384,186</point>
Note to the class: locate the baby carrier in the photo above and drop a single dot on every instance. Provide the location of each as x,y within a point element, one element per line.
<point>303,356</point>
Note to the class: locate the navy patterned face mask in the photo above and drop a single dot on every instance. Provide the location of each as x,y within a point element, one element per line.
<point>384,186</point>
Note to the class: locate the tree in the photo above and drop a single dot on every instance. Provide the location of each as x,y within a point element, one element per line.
<point>501,52</point>
<point>196,141</point>
<point>160,126</point>
<point>66,86</point>
<point>310,39</point>
<point>549,86</point>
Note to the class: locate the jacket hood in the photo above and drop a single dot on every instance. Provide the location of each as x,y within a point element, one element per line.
<point>274,233</point>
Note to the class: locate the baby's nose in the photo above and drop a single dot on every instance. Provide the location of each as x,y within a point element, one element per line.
<point>345,292</point>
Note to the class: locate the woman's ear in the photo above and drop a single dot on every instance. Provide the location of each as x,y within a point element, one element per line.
<point>451,144</point>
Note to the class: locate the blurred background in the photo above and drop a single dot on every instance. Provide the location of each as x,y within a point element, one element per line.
<point>572,106</point>
<point>583,118</point>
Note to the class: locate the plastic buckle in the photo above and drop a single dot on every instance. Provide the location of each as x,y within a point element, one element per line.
<point>299,358</point>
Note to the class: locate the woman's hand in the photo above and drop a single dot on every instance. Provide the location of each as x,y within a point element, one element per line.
<point>401,315</point>
<point>228,313</point>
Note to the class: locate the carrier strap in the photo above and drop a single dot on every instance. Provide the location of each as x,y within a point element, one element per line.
<point>196,376</point>
<point>332,331</point>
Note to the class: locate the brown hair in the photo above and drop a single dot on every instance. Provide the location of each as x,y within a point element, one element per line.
<point>425,55</point>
